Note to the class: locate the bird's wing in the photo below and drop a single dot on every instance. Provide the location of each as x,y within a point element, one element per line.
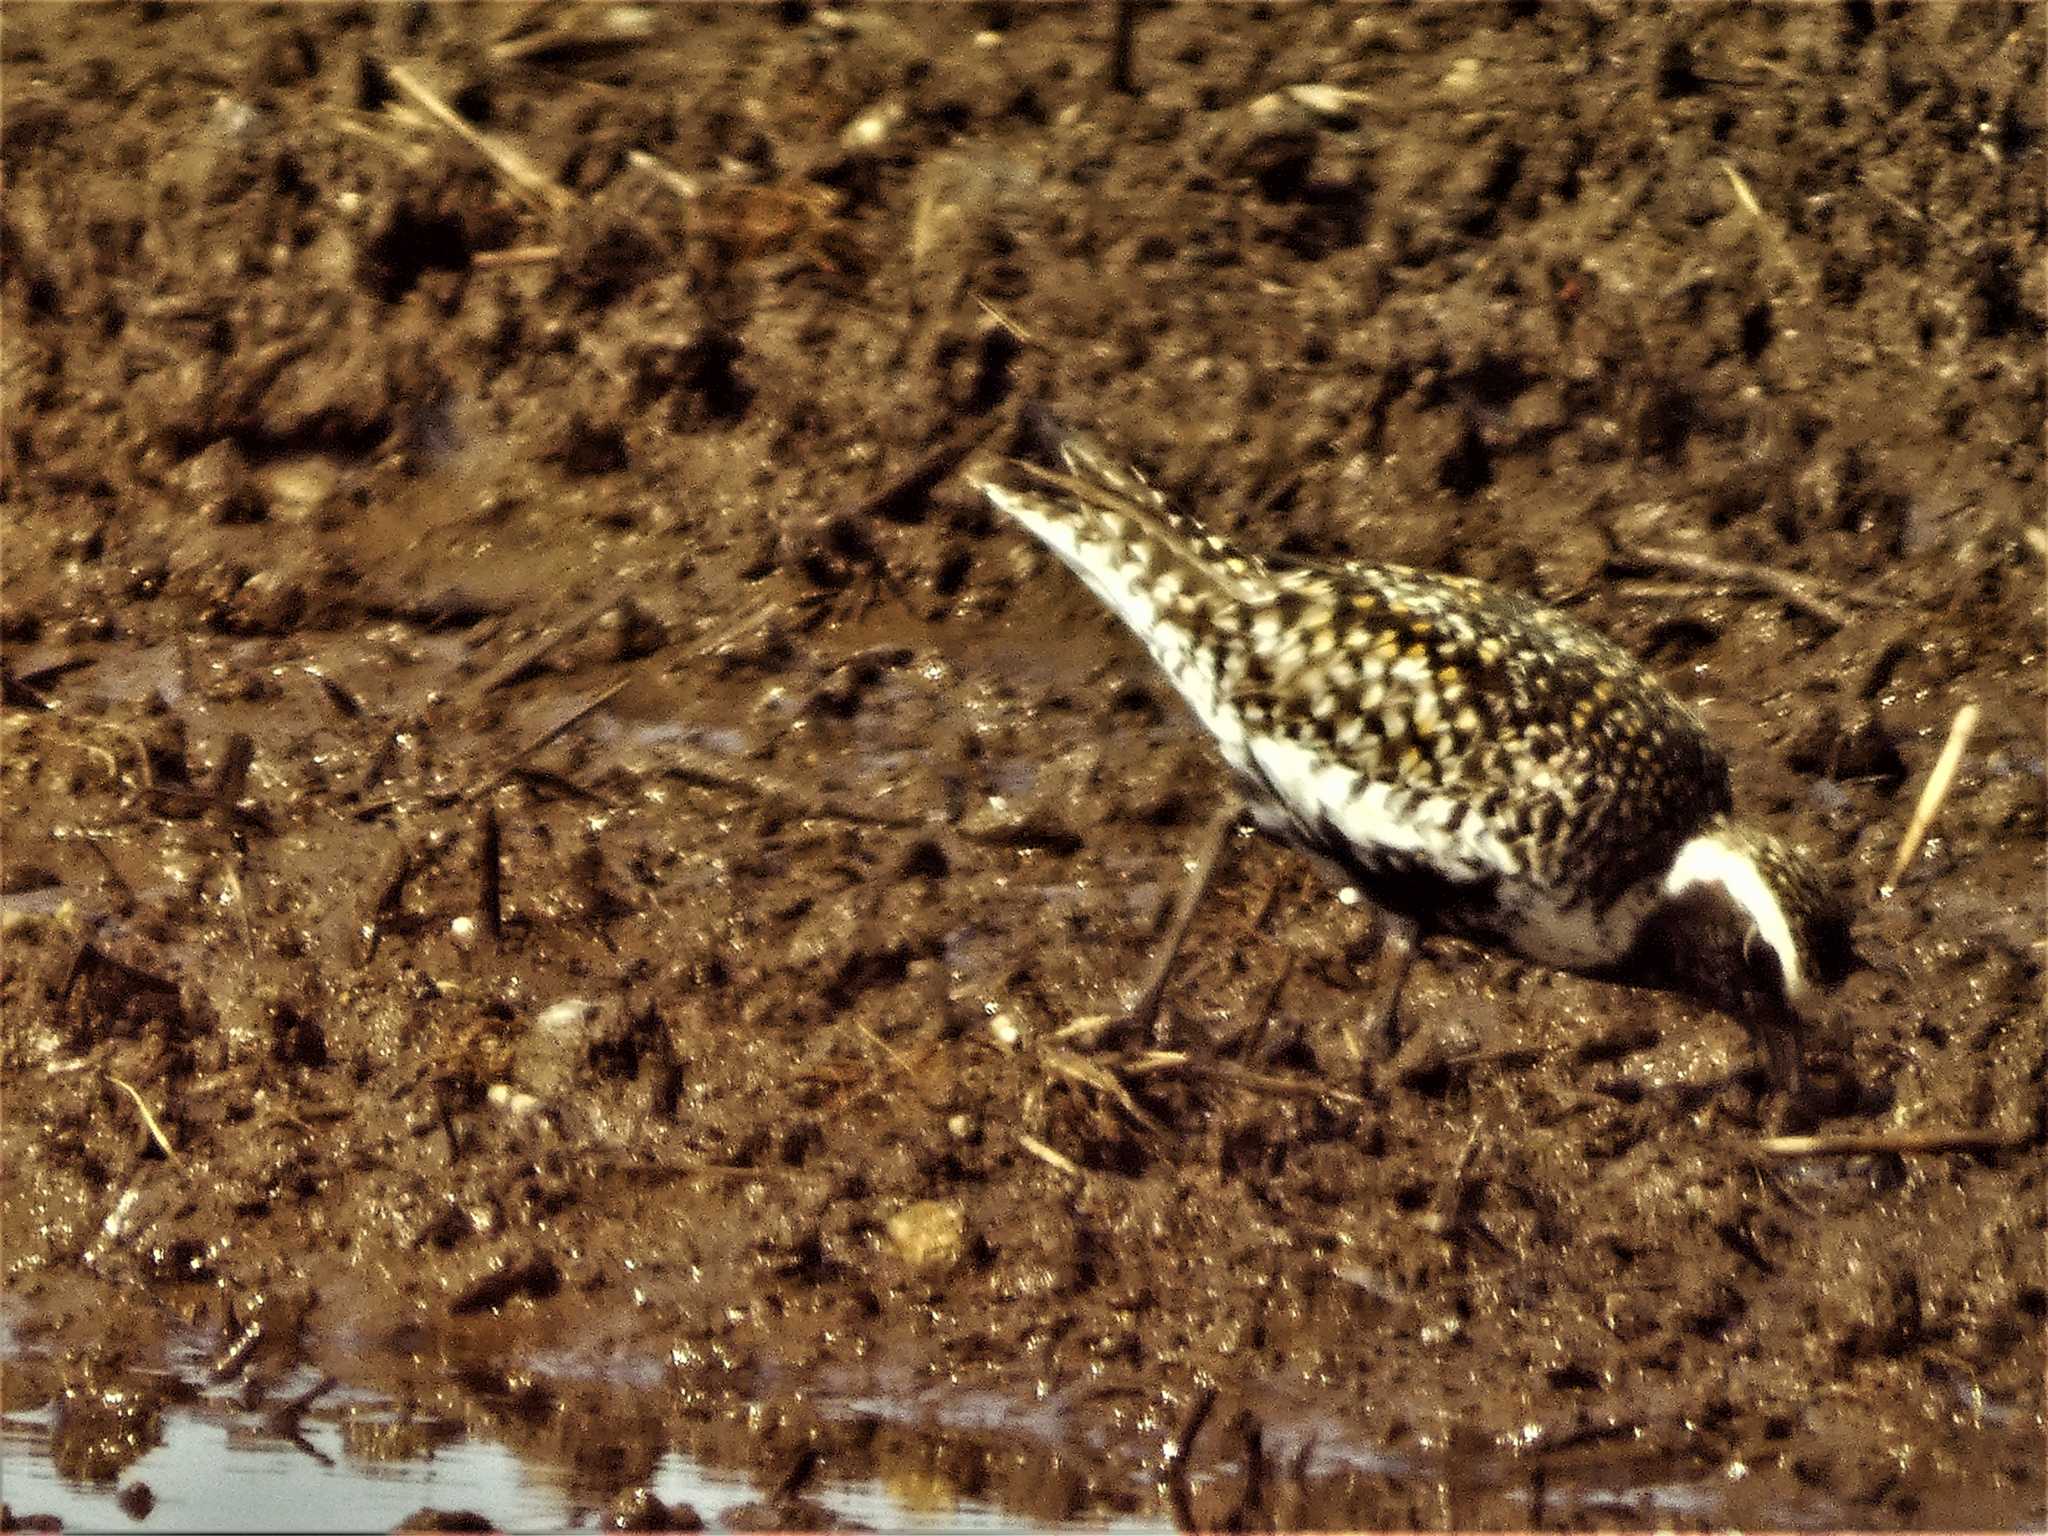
<point>1543,749</point>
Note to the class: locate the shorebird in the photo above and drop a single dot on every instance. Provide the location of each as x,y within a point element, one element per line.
<point>1467,759</point>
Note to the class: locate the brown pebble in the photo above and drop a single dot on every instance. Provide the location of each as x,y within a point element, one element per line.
<point>929,1235</point>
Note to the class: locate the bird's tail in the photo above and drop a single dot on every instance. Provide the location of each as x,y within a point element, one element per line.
<point>1159,571</point>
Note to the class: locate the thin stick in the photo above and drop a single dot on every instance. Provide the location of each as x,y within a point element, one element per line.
<point>525,178</point>
<point>1215,838</point>
<point>1743,195</point>
<point>346,704</point>
<point>547,734</point>
<point>1793,590</point>
<point>693,768</point>
<point>737,630</point>
<point>683,186</point>
<point>1938,784</point>
<point>516,256</point>
<point>1859,1143</point>
<point>1023,335</point>
<point>1087,1030</point>
<point>490,873</point>
<point>1093,1075</point>
<point>1178,1451</point>
<point>916,481</point>
<point>553,635</point>
<point>232,778</point>
<point>234,884</point>
<point>1772,231</point>
<point>156,1132</point>
<point>570,721</point>
<point>1047,1155</point>
<point>1122,34</point>
<point>106,859</point>
<point>1239,1076</point>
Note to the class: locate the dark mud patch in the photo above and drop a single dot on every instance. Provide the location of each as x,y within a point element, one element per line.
<point>585,840</point>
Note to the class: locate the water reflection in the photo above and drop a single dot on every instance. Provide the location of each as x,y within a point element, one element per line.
<point>360,1464</point>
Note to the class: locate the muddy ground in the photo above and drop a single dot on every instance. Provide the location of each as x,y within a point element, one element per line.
<point>385,530</point>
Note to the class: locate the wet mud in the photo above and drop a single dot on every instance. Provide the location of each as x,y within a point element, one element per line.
<point>559,867</point>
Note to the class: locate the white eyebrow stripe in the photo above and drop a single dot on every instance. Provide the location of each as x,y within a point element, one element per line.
<point>1710,860</point>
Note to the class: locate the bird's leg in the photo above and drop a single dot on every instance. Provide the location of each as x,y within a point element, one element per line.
<point>1209,852</point>
<point>1779,1037</point>
<point>1398,938</point>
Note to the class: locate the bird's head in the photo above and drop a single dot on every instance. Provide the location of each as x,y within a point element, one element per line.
<point>1744,921</point>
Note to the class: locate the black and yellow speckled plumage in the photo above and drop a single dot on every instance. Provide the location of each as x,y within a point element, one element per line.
<point>1465,756</point>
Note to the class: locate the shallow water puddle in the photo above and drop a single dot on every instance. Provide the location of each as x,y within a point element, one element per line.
<point>217,1468</point>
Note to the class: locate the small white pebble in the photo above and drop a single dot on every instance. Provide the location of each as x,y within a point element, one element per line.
<point>1463,78</point>
<point>1328,101</point>
<point>513,1101</point>
<point>872,126</point>
<point>567,1014</point>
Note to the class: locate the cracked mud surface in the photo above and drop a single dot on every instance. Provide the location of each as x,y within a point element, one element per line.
<point>366,514</point>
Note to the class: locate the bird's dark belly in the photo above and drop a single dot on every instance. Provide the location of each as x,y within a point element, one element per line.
<point>1405,884</point>
<point>1436,902</point>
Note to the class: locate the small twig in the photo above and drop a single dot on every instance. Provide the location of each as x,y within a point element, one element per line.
<point>736,630</point>
<point>1209,853</point>
<point>1239,1076</point>
<point>683,186</point>
<point>565,46</point>
<point>389,903</point>
<point>1087,1029</point>
<point>107,862</point>
<point>530,654</point>
<point>231,779</point>
<point>350,123</point>
<point>693,768</point>
<point>1048,1156</point>
<point>1939,783</point>
<point>346,704</point>
<point>1006,322</point>
<point>156,1132</point>
<point>1178,1452</point>
<point>234,884</point>
<point>918,480</point>
<point>570,721</point>
<point>516,256</point>
<point>1672,591</point>
<point>897,1059</point>
<point>1094,1075</point>
<point>514,764</point>
<point>1123,30</point>
<point>490,874</point>
<point>1743,195</point>
<point>1793,590</point>
<point>1860,1143</point>
<point>524,177</point>
<point>1774,233</point>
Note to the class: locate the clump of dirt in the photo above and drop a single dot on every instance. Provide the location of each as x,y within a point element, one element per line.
<point>595,854</point>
